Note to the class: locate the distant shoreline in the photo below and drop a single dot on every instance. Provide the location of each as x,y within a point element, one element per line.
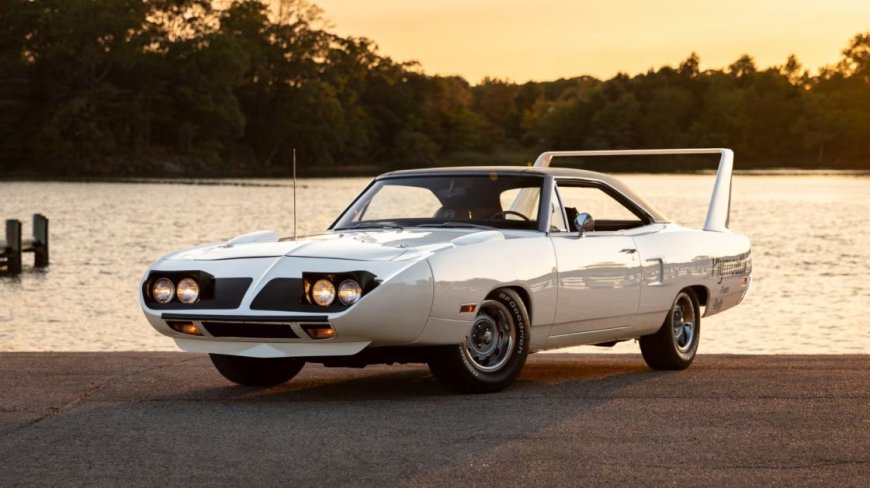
<point>276,180</point>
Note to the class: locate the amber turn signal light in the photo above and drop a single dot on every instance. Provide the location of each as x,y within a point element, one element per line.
<point>318,331</point>
<point>185,327</point>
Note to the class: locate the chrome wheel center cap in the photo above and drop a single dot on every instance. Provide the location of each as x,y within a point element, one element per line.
<point>489,344</point>
<point>487,336</point>
<point>483,339</point>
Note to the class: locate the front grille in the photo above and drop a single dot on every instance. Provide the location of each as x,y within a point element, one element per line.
<point>250,330</point>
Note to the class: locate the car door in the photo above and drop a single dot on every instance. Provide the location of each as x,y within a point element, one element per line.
<point>599,271</point>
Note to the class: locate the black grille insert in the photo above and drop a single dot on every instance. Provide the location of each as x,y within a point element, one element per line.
<point>250,330</point>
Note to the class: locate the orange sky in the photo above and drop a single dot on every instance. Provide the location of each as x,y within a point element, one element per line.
<point>547,39</point>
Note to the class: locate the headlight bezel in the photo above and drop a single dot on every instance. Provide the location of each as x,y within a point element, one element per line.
<point>366,281</point>
<point>232,294</point>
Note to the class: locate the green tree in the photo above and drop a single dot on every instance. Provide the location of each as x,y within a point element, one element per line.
<point>17,123</point>
<point>192,86</point>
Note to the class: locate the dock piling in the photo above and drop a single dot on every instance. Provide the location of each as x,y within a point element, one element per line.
<point>13,246</point>
<point>40,237</point>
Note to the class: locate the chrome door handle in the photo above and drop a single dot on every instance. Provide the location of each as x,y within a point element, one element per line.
<point>629,250</point>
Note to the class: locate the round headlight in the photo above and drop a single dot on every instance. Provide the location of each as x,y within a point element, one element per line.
<point>188,291</point>
<point>349,292</point>
<point>323,292</point>
<point>162,290</point>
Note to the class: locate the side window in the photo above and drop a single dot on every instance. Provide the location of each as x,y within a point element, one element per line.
<point>608,213</point>
<point>557,218</point>
<point>522,200</point>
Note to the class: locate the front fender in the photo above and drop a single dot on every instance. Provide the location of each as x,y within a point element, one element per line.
<point>393,313</point>
<point>465,275</point>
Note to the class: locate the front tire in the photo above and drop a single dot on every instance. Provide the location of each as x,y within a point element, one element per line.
<point>493,354</point>
<point>675,344</point>
<point>256,371</point>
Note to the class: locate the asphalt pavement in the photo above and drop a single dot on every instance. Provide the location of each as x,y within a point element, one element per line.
<point>169,419</point>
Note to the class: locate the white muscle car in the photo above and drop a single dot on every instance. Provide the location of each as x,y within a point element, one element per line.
<point>466,269</point>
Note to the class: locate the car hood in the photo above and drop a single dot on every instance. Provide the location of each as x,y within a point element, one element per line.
<point>377,245</point>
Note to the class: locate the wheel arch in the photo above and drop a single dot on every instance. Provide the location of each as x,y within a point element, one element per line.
<point>524,294</point>
<point>486,370</point>
<point>701,292</point>
<point>675,344</point>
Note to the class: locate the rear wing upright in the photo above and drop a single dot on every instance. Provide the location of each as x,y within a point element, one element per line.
<point>719,211</point>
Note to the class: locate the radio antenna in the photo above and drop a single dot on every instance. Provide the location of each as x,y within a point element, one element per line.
<point>294,193</point>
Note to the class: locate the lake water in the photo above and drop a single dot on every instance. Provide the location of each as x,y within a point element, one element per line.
<point>810,290</point>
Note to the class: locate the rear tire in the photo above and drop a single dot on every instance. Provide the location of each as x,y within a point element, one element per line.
<point>256,371</point>
<point>493,354</point>
<point>676,342</point>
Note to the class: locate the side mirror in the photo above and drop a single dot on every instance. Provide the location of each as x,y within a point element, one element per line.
<point>584,223</point>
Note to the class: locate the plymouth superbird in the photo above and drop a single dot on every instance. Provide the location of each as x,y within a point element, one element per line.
<point>466,269</point>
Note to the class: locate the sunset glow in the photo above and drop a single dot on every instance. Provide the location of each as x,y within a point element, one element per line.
<point>548,39</point>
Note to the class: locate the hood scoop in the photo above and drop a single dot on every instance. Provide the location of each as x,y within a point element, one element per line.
<point>347,248</point>
<point>259,236</point>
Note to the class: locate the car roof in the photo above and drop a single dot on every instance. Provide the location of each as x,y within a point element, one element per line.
<point>556,172</point>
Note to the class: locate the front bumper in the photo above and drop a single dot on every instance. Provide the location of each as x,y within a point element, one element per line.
<point>271,349</point>
<point>396,313</point>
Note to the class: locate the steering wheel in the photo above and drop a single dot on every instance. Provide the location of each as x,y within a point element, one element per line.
<point>505,213</point>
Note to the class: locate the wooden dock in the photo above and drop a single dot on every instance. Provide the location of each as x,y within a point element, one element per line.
<point>15,245</point>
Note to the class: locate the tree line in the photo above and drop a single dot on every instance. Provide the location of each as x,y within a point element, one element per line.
<point>162,87</point>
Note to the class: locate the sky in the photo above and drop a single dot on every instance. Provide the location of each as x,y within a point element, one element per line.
<point>522,40</point>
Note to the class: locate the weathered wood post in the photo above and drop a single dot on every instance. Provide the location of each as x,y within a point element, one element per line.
<point>13,241</point>
<point>40,236</point>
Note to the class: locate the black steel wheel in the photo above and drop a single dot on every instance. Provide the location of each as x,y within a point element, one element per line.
<point>676,342</point>
<point>256,371</point>
<point>493,353</point>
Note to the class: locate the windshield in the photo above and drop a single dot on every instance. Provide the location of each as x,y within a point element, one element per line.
<point>489,201</point>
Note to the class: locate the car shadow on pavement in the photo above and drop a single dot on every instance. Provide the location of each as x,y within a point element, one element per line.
<point>328,427</point>
<point>543,374</point>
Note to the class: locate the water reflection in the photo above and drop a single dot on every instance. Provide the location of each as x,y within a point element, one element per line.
<point>809,285</point>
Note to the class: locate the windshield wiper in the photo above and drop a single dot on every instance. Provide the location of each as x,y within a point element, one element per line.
<point>371,225</point>
<point>457,224</point>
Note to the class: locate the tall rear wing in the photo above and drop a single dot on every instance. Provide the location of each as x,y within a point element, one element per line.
<point>719,211</point>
